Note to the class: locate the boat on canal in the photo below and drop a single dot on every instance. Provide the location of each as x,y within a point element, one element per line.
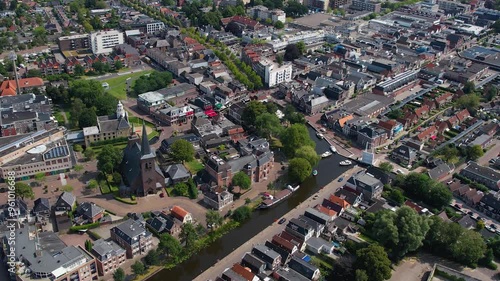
<point>271,200</point>
<point>326,154</point>
<point>345,163</point>
<point>315,172</point>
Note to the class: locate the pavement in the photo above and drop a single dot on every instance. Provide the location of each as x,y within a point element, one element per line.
<point>275,228</point>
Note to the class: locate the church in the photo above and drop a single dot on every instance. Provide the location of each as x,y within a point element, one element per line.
<point>141,174</point>
<point>108,127</point>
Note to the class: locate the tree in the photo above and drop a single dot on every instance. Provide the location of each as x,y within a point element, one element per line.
<point>386,167</point>
<point>79,70</point>
<point>242,213</point>
<point>469,248</point>
<point>292,52</point>
<point>242,180</point>
<point>268,125</point>
<point>480,225</point>
<point>279,59</point>
<point>279,25</point>
<point>117,178</point>
<point>152,258</point>
<point>214,219</point>
<point>98,67</point>
<point>474,152</point>
<point>170,246</point>
<point>295,136</point>
<point>34,73</point>
<point>181,189</point>
<point>361,275</point>
<point>308,153</point>
<point>295,9</point>
<point>77,148</point>
<point>92,184</point>
<point>302,47</point>
<point>88,245</point>
<point>182,150</point>
<point>449,153</point>
<point>188,235</point>
<point>298,170</point>
<point>40,176</point>
<point>490,92</point>
<point>374,261</point>
<point>397,196</point>
<point>23,191</point>
<point>138,268</point>
<point>87,91</point>
<point>192,189</point>
<point>119,275</point>
<point>470,102</point>
<point>252,111</point>
<point>89,153</point>
<point>88,118</point>
<point>469,88</point>
<point>118,65</point>
<point>152,82</point>
<point>109,158</point>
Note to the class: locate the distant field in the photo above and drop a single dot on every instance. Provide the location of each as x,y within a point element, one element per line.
<point>117,85</point>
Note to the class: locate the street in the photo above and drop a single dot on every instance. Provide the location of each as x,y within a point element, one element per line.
<point>275,228</point>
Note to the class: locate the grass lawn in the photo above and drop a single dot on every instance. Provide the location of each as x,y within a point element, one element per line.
<point>117,85</point>
<point>194,166</point>
<point>366,238</point>
<point>170,191</point>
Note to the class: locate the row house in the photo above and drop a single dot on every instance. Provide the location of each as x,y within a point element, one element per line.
<point>109,256</point>
<point>133,237</point>
<point>50,66</point>
<point>371,136</point>
<point>175,115</point>
<point>427,133</point>
<point>392,127</point>
<point>484,175</point>
<point>490,205</point>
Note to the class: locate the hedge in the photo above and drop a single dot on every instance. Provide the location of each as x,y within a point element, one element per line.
<point>110,212</point>
<point>126,201</point>
<point>85,226</point>
<point>111,141</point>
<point>94,235</point>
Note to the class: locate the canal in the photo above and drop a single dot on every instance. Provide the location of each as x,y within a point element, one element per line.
<point>328,169</point>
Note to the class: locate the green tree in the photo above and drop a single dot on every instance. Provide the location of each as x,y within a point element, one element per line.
<point>386,167</point>
<point>188,235</point>
<point>182,151</point>
<point>252,111</point>
<point>469,88</point>
<point>295,9</point>
<point>77,148</point>
<point>88,245</point>
<point>34,73</point>
<point>279,25</point>
<point>292,52</point>
<point>295,136</point>
<point>490,92</point>
<point>474,152</point>
<point>23,191</point>
<point>152,258</point>
<point>279,59</point>
<point>87,118</point>
<point>308,153</point>
<point>40,176</point>
<point>170,246</point>
<point>214,219</point>
<point>373,259</point>
<point>98,67</point>
<point>192,189</point>
<point>242,180</point>
<point>302,47</point>
<point>92,184</point>
<point>449,153</point>
<point>181,189</point>
<point>109,158</point>
<point>470,102</point>
<point>480,225</point>
<point>268,125</point>
<point>397,196</point>
<point>79,70</point>
<point>89,153</point>
<point>469,248</point>
<point>117,178</point>
<point>361,275</point>
<point>118,65</point>
<point>138,268</point>
<point>241,213</point>
<point>298,170</point>
<point>119,275</point>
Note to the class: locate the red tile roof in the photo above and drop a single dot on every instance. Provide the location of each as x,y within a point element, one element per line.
<point>9,88</point>
<point>462,115</point>
<point>243,272</point>
<point>179,212</point>
<point>339,201</point>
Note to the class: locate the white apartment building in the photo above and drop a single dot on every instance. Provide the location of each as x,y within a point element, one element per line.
<point>154,26</point>
<point>104,41</point>
<point>273,73</point>
<point>308,37</point>
<point>264,13</point>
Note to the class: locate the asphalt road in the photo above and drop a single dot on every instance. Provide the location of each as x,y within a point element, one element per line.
<point>275,228</point>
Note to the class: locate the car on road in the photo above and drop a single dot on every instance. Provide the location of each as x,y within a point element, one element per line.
<point>470,214</point>
<point>282,221</point>
<point>493,226</point>
<point>341,179</point>
<point>399,171</point>
<point>162,195</point>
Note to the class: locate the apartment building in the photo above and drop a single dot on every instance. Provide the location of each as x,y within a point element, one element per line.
<point>397,84</point>
<point>109,256</point>
<point>366,5</point>
<point>484,175</point>
<point>133,237</point>
<point>264,13</point>
<point>43,255</point>
<point>453,7</point>
<point>104,41</point>
<point>273,73</point>
<point>148,26</point>
<point>74,42</point>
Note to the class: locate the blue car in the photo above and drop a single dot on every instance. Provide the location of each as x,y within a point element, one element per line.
<point>341,179</point>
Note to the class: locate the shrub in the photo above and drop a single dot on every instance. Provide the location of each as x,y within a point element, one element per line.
<point>124,200</point>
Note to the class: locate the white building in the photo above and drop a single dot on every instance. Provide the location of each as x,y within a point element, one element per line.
<point>264,13</point>
<point>273,73</point>
<point>104,41</point>
<point>308,37</point>
<point>152,27</point>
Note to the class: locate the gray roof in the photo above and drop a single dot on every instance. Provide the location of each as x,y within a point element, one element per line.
<point>112,124</point>
<point>104,250</point>
<point>302,267</point>
<point>67,198</point>
<point>177,171</point>
<point>316,215</point>
<point>130,230</point>
<point>365,181</point>
<point>253,260</point>
<point>233,276</point>
<point>318,242</point>
<point>440,170</point>
<point>290,274</point>
<point>41,205</point>
<point>89,210</point>
<point>266,251</point>
<point>486,172</point>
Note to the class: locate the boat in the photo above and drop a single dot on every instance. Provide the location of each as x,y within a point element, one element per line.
<point>315,172</point>
<point>280,196</point>
<point>345,163</point>
<point>293,188</point>
<point>333,149</point>
<point>326,154</point>
<point>320,135</point>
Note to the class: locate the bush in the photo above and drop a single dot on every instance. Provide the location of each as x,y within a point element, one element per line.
<point>124,200</point>
<point>85,226</point>
<point>94,235</point>
<point>111,141</point>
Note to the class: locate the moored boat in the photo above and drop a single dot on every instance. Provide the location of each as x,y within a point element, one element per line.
<point>345,163</point>
<point>326,154</point>
<point>315,172</point>
<point>333,149</point>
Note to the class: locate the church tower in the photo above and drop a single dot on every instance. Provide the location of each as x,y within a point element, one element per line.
<point>149,172</point>
<point>120,112</point>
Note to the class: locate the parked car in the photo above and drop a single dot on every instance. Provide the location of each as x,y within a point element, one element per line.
<point>470,214</point>
<point>341,179</point>
<point>282,221</point>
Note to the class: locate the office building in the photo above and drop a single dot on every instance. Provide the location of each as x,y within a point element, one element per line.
<point>104,41</point>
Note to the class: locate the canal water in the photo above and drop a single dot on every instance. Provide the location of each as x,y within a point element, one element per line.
<point>328,169</point>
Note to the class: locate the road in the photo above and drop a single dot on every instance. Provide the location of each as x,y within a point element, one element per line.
<point>275,228</point>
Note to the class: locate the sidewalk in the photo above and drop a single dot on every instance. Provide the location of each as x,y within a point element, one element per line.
<point>275,228</point>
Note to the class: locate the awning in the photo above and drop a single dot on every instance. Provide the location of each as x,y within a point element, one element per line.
<point>210,113</point>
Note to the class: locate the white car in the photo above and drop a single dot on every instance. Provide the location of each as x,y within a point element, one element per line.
<point>399,171</point>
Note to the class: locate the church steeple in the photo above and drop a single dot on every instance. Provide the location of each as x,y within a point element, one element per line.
<point>145,148</point>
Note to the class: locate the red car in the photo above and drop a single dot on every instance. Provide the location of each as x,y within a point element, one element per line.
<point>162,195</point>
